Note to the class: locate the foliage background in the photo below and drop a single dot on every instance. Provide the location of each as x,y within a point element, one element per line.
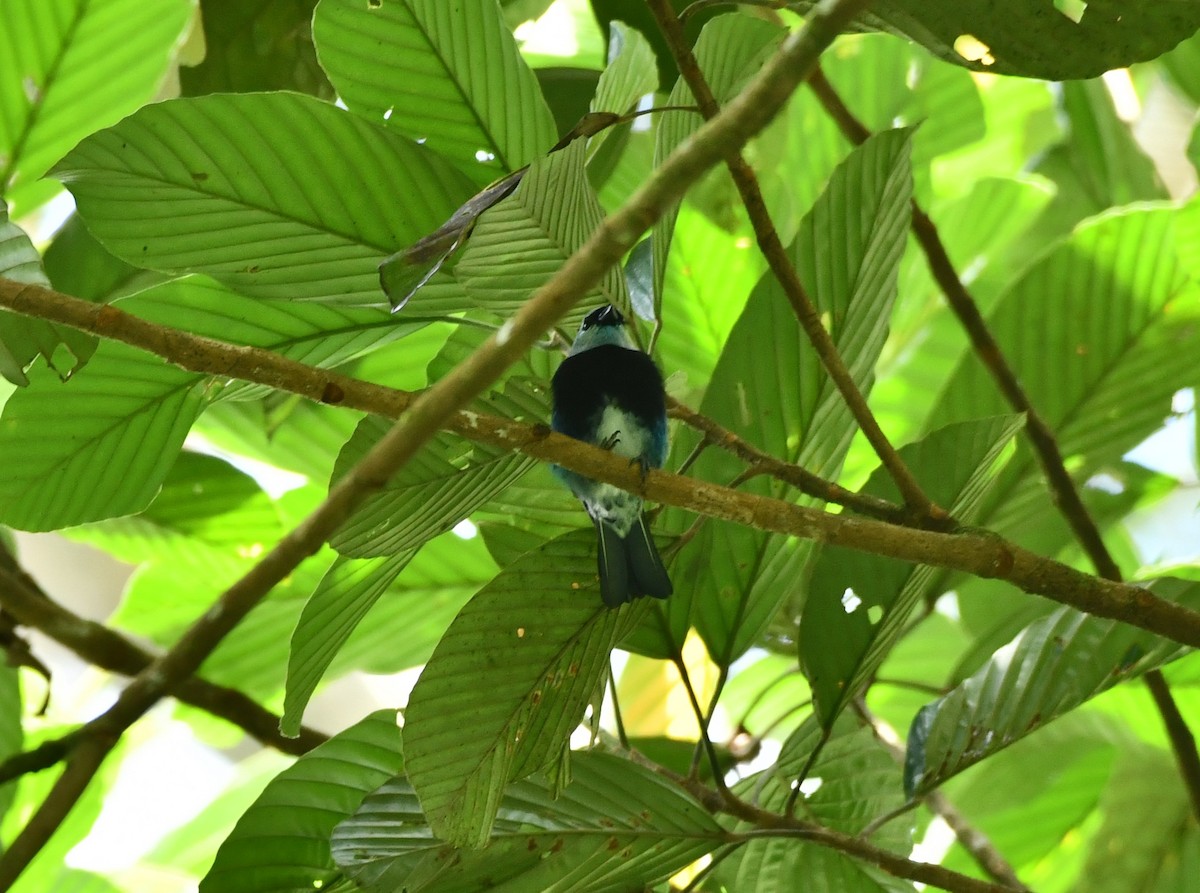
<point>259,219</point>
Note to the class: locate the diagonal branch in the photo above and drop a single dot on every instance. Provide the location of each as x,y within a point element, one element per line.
<point>772,248</point>
<point>24,599</point>
<point>1041,437</point>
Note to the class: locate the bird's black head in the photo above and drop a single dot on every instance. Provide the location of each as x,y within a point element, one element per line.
<point>608,315</point>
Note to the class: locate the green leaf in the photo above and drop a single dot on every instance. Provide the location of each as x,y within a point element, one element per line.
<point>282,842</point>
<point>23,338</point>
<point>97,446</point>
<point>1141,837</point>
<point>344,596</point>
<point>521,242</point>
<point>709,277</point>
<point>890,82</point>
<point>257,45</point>
<point>630,73</point>
<point>446,481</point>
<point>1183,66</point>
<point>12,735</point>
<point>100,445</point>
<point>68,67</point>
<point>1100,164</point>
<point>857,603</point>
<point>208,517</point>
<point>616,826</point>
<point>506,685</point>
<point>1054,665</point>
<point>236,186</point>
<point>982,231</point>
<point>858,783</point>
<point>1032,38</point>
<point>451,76</point>
<point>847,254</point>
<point>1097,333</point>
<point>730,50</point>
<point>79,265</point>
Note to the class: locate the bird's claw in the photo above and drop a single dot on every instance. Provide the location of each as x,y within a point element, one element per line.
<point>611,441</point>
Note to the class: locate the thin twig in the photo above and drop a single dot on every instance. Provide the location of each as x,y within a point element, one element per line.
<point>1183,742</point>
<point>798,476</point>
<point>919,505</point>
<point>974,841</point>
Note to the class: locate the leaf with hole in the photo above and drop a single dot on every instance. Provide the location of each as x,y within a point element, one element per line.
<point>857,604</point>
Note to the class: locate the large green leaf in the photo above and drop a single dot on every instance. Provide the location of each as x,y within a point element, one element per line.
<point>346,593</point>
<point>629,75</point>
<point>68,67</point>
<point>1054,665</point>
<point>889,82</point>
<point>521,242</point>
<point>1034,38</point>
<point>617,826</point>
<point>447,480</point>
<point>1098,333</point>
<point>100,445</point>
<point>847,254</point>
<point>254,45</point>
<point>1142,838</point>
<point>282,842</point>
<point>448,75</point>
<point>858,783</point>
<point>982,232</point>
<point>208,517</point>
<point>506,685</point>
<point>97,446</point>
<point>709,277</point>
<point>79,265</point>
<point>1099,165</point>
<point>237,186</point>
<point>857,604</point>
<point>24,338</point>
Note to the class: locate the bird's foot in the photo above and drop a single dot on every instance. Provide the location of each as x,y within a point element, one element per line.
<point>643,465</point>
<point>611,441</point>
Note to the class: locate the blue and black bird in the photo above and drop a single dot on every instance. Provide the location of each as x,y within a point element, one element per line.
<point>609,393</point>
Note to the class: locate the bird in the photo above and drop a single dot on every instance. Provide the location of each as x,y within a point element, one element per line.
<point>609,393</point>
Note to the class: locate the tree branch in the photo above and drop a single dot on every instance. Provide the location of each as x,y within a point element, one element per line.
<point>769,824</point>
<point>772,248</point>
<point>980,553</point>
<point>109,650</point>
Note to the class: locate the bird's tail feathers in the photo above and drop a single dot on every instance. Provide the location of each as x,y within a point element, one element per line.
<point>631,566</point>
<point>613,565</point>
<point>645,564</point>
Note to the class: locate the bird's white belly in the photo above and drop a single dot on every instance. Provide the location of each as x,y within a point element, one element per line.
<point>631,440</point>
